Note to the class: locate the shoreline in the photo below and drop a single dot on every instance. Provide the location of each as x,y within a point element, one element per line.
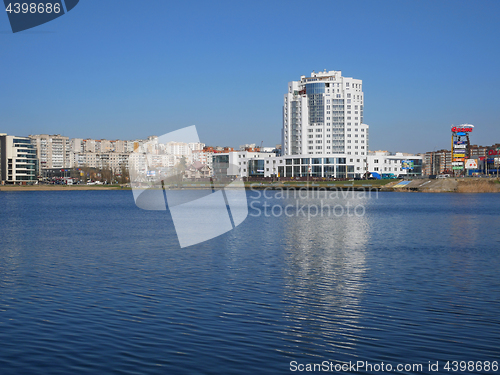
<point>451,185</point>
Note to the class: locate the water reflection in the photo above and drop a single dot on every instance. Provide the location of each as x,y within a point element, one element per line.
<point>324,267</point>
<point>464,222</point>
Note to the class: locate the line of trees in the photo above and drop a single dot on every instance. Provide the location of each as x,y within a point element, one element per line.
<point>105,175</point>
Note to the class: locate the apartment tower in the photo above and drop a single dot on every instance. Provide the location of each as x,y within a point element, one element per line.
<point>323,115</point>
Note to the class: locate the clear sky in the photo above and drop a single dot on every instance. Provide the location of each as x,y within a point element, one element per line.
<point>124,69</point>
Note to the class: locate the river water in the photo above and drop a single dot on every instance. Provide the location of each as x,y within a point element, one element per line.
<point>91,284</point>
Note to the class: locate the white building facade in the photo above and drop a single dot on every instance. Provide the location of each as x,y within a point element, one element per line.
<point>386,164</point>
<point>262,164</point>
<point>323,119</point>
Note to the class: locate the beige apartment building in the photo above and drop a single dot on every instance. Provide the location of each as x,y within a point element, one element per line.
<point>53,151</point>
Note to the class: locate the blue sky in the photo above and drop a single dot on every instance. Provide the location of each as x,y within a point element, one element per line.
<point>128,69</point>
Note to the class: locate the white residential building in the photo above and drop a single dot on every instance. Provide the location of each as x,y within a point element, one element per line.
<point>323,118</point>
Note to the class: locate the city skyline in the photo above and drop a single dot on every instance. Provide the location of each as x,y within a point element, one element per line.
<point>424,67</point>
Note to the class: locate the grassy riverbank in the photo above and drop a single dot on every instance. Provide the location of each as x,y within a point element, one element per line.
<point>448,185</point>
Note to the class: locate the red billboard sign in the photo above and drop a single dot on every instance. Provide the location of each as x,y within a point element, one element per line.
<point>456,129</point>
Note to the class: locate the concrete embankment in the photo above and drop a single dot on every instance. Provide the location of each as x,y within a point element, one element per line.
<point>447,185</point>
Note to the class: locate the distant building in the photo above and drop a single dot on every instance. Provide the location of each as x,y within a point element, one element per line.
<point>387,164</point>
<point>437,162</point>
<point>197,170</point>
<point>18,161</point>
<point>241,163</point>
<point>115,161</point>
<point>441,162</point>
<point>247,146</point>
<point>53,151</point>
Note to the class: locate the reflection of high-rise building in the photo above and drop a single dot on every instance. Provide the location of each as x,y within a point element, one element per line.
<point>18,161</point>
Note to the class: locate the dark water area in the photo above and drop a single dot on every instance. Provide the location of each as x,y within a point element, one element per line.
<point>91,284</point>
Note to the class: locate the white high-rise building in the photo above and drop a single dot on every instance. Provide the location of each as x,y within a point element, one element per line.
<point>323,114</point>
<point>323,118</point>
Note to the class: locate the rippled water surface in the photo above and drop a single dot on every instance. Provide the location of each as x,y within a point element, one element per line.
<point>90,284</point>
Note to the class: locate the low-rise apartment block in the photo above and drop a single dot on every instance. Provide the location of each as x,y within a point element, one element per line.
<point>399,164</point>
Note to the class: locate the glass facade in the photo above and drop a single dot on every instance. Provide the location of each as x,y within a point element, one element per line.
<point>315,88</point>
<point>256,168</point>
<point>317,167</point>
<point>24,165</point>
<point>316,109</point>
<point>220,165</point>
